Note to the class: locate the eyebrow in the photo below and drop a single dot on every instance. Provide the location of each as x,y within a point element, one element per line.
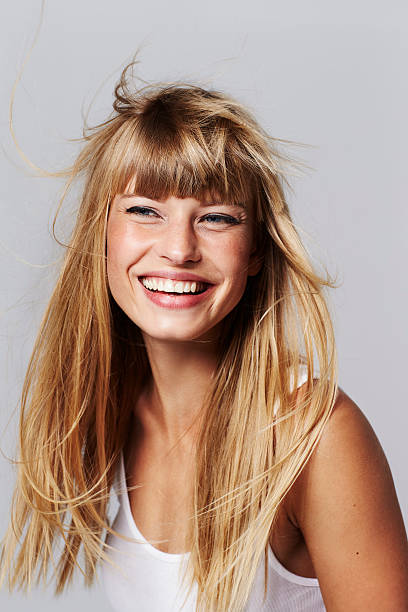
<point>203,202</point>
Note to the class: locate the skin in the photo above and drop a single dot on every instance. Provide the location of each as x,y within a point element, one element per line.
<point>341,520</point>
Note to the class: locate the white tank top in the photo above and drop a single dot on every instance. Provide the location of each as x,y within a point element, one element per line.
<point>146,579</point>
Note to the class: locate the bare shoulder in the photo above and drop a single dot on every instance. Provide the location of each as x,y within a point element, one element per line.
<point>348,437</point>
<point>346,507</point>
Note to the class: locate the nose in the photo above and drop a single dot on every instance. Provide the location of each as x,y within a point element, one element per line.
<point>178,243</point>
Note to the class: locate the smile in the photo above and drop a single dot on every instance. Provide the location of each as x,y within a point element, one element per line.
<point>176,295</point>
<point>166,285</point>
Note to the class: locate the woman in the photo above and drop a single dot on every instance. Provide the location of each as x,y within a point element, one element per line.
<point>187,353</point>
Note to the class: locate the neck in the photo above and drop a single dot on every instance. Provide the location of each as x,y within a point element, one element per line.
<point>171,403</point>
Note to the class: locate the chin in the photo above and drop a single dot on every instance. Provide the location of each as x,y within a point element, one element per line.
<point>181,334</point>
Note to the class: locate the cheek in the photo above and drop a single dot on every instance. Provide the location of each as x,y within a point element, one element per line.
<point>112,244</point>
<point>116,258</point>
<point>235,257</point>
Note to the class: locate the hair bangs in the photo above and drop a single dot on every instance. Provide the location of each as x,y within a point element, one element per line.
<point>171,156</point>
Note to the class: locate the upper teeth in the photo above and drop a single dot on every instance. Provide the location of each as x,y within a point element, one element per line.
<point>168,285</point>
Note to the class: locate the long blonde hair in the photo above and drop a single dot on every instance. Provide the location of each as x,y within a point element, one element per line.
<point>183,140</point>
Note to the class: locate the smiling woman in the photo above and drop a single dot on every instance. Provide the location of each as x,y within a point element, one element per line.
<point>186,361</point>
<point>178,233</point>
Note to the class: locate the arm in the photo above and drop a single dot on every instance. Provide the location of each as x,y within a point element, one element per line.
<point>346,506</point>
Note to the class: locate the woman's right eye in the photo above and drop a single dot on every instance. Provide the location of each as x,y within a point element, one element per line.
<point>140,210</point>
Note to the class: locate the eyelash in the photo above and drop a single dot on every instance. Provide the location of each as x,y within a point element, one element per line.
<point>226,218</point>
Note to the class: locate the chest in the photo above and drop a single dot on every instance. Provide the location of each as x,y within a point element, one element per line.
<point>160,501</point>
<point>160,495</point>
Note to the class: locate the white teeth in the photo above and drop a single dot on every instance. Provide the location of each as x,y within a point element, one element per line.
<point>170,286</point>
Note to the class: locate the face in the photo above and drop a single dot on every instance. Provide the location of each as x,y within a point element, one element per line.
<point>158,252</point>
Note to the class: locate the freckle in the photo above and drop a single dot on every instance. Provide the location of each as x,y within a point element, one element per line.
<point>354,505</point>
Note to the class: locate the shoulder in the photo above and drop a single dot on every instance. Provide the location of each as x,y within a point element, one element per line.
<point>349,449</point>
<point>347,438</point>
<point>345,505</point>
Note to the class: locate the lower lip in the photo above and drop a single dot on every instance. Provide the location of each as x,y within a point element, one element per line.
<point>167,300</point>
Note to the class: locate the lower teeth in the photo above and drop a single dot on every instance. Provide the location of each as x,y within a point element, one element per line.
<point>175,292</point>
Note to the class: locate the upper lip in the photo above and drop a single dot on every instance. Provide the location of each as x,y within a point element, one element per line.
<point>177,276</point>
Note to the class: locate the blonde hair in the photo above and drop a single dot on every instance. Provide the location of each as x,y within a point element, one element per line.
<point>176,139</point>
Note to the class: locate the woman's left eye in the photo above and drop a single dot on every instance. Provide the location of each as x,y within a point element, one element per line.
<point>222,219</point>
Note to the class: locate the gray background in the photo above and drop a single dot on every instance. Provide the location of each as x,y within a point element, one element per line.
<point>330,74</point>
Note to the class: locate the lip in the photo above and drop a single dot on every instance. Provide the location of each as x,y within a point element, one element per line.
<point>177,276</point>
<point>176,302</point>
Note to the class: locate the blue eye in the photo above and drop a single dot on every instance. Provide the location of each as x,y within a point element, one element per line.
<point>138,210</point>
<point>214,219</point>
<point>223,219</point>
